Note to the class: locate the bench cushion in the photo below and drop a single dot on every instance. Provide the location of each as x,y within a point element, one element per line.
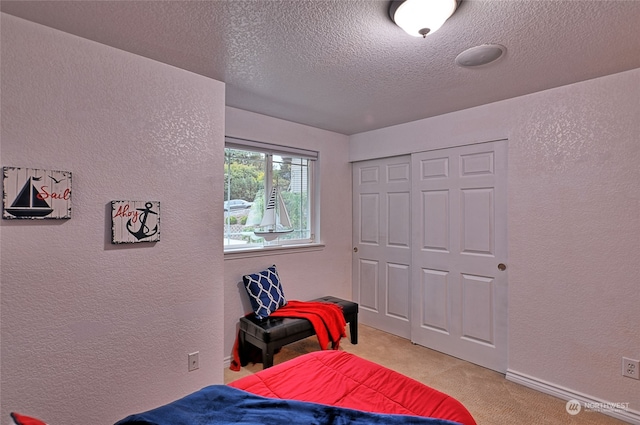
<point>273,328</point>
<point>348,307</point>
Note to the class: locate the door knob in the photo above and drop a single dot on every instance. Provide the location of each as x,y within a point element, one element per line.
<point>502,267</point>
<point>355,249</point>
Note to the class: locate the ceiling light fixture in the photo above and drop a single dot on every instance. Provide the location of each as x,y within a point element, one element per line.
<point>421,17</point>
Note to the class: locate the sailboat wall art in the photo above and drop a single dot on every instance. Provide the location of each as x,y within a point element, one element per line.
<point>275,221</point>
<point>32,193</point>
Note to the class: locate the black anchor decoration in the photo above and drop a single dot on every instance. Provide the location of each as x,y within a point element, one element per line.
<point>143,231</point>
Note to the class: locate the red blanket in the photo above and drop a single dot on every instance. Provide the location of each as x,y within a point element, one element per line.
<point>338,378</point>
<point>327,320</point>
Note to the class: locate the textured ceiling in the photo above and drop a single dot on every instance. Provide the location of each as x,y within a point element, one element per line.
<point>343,65</point>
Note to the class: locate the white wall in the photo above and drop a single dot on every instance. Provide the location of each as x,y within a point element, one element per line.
<point>573,223</point>
<point>92,332</point>
<point>305,275</point>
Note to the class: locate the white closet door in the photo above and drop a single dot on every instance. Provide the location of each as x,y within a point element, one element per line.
<point>459,250</point>
<point>382,243</point>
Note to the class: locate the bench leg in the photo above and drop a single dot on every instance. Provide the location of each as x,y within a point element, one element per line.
<point>353,328</point>
<point>267,356</point>
<point>241,348</point>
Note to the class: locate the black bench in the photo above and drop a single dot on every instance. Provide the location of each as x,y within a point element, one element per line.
<point>273,333</point>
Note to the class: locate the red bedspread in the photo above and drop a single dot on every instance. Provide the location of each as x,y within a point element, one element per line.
<point>343,379</point>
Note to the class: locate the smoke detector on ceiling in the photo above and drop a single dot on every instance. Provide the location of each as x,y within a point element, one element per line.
<point>480,55</point>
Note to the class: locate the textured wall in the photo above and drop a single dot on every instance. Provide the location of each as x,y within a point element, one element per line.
<point>574,194</point>
<point>305,275</point>
<point>92,332</point>
<point>573,223</point>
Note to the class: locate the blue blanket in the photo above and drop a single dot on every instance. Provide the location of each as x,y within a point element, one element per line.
<point>219,404</point>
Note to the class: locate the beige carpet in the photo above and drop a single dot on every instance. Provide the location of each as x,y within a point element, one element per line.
<point>491,399</point>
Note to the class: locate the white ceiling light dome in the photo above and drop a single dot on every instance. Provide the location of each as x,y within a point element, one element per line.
<point>421,17</point>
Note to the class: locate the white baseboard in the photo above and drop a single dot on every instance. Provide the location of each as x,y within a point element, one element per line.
<point>226,362</point>
<point>627,415</point>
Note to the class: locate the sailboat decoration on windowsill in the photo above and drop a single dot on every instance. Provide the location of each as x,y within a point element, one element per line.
<point>275,221</point>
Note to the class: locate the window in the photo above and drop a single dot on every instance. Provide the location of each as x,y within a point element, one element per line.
<point>268,195</point>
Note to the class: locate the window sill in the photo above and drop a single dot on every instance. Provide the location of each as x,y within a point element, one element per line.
<point>272,250</point>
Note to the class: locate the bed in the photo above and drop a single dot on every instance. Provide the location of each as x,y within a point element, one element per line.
<point>323,387</point>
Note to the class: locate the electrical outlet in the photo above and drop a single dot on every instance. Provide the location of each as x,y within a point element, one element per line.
<point>630,368</point>
<point>193,361</point>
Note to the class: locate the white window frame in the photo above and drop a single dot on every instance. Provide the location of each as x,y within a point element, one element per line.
<point>311,243</point>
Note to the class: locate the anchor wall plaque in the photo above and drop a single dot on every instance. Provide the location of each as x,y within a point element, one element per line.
<point>31,193</point>
<point>135,221</point>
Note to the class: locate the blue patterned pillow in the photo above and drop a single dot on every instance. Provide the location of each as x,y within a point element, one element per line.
<point>265,291</point>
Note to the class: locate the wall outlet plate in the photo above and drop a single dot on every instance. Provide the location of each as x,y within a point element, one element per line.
<point>630,368</point>
<point>194,361</point>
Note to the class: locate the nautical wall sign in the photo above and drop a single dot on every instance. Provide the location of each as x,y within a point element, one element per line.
<point>35,194</point>
<point>135,221</point>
